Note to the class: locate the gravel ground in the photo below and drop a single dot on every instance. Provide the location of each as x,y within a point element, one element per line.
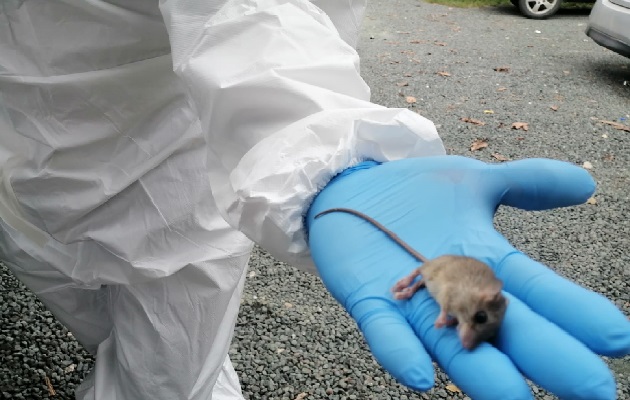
<point>292,340</point>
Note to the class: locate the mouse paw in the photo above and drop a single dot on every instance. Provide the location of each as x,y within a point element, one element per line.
<point>403,294</point>
<point>444,320</point>
<point>402,284</point>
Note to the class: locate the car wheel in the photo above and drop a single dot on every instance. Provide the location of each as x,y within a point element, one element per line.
<point>539,9</point>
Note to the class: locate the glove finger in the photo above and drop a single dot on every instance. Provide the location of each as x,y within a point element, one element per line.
<point>586,315</point>
<point>393,343</point>
<point>551,357</point>
<point>539,184</point>
<point>484,373</point>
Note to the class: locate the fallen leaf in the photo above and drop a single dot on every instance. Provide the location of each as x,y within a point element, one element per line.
<point>410,99</point>
<point>488,111</point>
<point>443,73</point>
<point>472,121</point>
<point>301,396</point>
<point>440,44</point>
<point>501,89</point>
<point>566,72</point>
<point>280,351</point>
<point>401,84</point>
<point>479,144</point>
<point>417,41</point>
<point>453,389</point>
<point>503,68</point>
<point>520,125</point>
<point>500,157</point>
<point>554,107</point>
<point>520,138</point>
<point>616,125</point>
<point>288,305</point>
<point>408,75</point>
<point>587,165</point>
<point>609,157</point>
<point>70,368</point>
<point>605,136</point>
<point>51,390</point>
<point>591,201</point>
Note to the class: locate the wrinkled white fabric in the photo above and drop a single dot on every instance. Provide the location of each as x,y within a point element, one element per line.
<point>140,148</point>
<point>292,110</point>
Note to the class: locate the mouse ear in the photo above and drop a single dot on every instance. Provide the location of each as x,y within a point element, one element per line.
<point>494,297</point>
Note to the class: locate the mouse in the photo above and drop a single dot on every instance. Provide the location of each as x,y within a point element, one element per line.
<point>467,291</point>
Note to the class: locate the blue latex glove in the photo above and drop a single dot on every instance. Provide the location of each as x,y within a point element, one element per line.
<point>552,329</point>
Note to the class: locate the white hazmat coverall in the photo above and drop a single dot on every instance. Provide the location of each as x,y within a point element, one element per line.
<point>145,145</point>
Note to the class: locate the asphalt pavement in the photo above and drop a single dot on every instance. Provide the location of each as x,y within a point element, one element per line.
<point>475,73</point>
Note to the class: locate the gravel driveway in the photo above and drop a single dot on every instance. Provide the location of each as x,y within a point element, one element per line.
<point>490,66</point>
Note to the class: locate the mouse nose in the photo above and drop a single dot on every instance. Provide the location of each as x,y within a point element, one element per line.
<point>467,336</point>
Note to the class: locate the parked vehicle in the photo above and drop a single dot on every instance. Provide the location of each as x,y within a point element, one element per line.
<point>609,25</point>
<point>541,9</point>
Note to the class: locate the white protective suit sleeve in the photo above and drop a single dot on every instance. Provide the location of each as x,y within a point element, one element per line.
<point>283,109</point>
<point>106,209</point>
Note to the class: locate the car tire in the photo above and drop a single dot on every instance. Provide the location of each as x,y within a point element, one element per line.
<point>538,9</point>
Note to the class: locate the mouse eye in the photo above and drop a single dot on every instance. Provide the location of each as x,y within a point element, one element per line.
<point>480,317</point>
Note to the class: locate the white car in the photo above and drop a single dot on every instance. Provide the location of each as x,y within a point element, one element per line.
<point>609,25</point>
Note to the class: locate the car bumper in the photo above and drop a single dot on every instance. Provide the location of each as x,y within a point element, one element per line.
<point>609,26</point>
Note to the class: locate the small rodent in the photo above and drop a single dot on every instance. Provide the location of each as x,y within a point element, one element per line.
<point>467,290</point>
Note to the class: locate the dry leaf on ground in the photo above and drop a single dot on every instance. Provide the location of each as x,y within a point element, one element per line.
<point>501,89</point>
<point>301,396</point>
<point>440,44</point>
<point>520,125</point>
<point>488,111</point>
<point>479,144</point>
<point>616,125</point>
<point>503,68</point>
<point>443,73</point>
<point>452,388</point>
<point>410,99</point>
<point>472,121</point>
<point>591,201</point>
<point>609,157</point>
<point>401,84</point>
<point>587,165</point>
<point>554,107</point>
<point>51,390</point>
<point>500,157</point>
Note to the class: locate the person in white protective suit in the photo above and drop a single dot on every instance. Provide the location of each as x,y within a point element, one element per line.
<point>107,211</point>
<point>145,146</point>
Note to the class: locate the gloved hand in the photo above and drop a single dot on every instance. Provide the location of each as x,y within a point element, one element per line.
<point>552,329</point>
